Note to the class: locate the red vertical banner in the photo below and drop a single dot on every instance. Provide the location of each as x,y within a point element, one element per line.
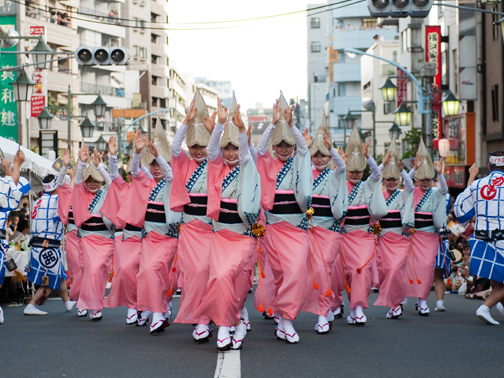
<point>402,87</point>
<point>39,77</point>
<point>433,55</point>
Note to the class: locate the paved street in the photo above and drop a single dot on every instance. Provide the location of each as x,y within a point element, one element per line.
<point>454,343</point>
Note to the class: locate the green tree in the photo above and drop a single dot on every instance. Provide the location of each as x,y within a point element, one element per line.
<point>412,139</point>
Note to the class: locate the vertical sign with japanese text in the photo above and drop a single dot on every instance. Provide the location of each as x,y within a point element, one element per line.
<point>39,77</point>
<point>8,108</point>
<point>402,87</point>
<point>433,55</point>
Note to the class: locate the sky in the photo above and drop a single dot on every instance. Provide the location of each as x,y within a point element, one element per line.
<point>259,57</point>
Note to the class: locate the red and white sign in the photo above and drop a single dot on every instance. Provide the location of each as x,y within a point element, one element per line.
<point>37,105</point>
<point>402,87</point>
<point>39,77</point>
<point>433,55</point>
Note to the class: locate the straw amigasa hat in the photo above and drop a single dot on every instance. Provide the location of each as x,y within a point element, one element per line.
<point>197,134</point>
<point>282,130</point>
<point>426,170</point>
<point>91,171</point>
<point>230,134</point>
<point>356,159</point>
<point>391,170</point>
<point>162,145</point>
<point>318,143</point>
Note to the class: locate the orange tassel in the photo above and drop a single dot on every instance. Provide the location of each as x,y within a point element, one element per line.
<point>347,288</point>
<point>173,269</point>
<point>418,281</point>
<point>261,308</point>
<point>328,292</point>
<point>359,270</point>
<point>270,311</point>
<point>410,281</point>
<point>169,292</point>
<point>263,275</point>
<point>315,285</point>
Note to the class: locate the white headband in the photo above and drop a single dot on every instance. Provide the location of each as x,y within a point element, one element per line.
<point>50,186</point>
<point>497,160</point>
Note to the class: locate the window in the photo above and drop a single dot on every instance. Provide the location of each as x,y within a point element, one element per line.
<point>154,38</point>
<point>315,23</point>
<point>139,52</point>
<point>315,47</point>
<point>154,59</point>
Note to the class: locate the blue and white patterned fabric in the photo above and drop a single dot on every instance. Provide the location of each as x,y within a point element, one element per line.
<point>443,260</point>
<point>10,195</point>
<point>484,199</point>
<point>46,224</point>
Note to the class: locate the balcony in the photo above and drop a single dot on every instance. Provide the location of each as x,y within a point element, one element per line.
<point>340,105</point>
<point>360,39</point>
<point>344,72</point>
<point>88,17</point>
<point>102,89</point>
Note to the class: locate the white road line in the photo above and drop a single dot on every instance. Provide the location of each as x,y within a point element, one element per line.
<point>228,365</point>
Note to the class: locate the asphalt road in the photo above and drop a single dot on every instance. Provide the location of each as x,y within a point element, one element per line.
<point>454,343</point>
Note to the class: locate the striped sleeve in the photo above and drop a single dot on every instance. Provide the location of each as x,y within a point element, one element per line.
<point>464,205</point>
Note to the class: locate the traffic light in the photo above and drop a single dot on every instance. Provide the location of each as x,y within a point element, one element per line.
<point>399,8</point>
<point>105,56</point>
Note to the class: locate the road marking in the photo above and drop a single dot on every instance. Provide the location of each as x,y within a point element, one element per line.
<point>228,365</point>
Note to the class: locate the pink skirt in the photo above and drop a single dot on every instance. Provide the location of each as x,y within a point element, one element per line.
<point>74,263</point>
<point>126,265</point>
<point>421,262</point>
<point>392,252</point>
<point>320,300</point>
<point>194,263</point>
<point>245,279</point>
<point>288,249</point>
<point>96,252</point>
<point>337,281</point>
<point>229,254</point>
<point>357,248</point>
<point>154,279</point>
<point>265,291</point>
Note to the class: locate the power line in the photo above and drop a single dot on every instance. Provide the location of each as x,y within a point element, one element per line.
<point>202,23</point>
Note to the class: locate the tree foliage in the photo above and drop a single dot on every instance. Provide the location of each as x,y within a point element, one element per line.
<point>412,139</point>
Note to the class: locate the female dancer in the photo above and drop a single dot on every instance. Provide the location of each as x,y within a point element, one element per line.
<point>189,195</point>
<point>286,186</point>
<point>233,204</point>
<point>128,245</point>
<point>159,229</point>
<point>330,204</point>
<point>96,243</point>
<point>430,213</point>
<point>394,241</point>
<point>366,206</point>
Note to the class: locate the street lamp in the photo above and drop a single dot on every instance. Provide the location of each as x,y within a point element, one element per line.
<point>388,91</point>
<point>44,119</point>
<point>99,106</point>
<point>101,143</point>
<point>87,128</point>
<point>23,86</point>
<point>402,115</point>
<point>42,52</point>
<point>450,104</point>
<point>349,120</point>
<point>395,131</point>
